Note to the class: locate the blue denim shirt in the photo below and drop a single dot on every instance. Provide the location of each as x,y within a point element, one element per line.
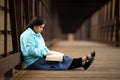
<point>32,46</point>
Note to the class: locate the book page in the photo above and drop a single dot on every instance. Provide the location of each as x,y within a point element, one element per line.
<point>55,56</point>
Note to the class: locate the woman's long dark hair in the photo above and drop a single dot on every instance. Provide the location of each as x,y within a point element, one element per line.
<point>37,21</point>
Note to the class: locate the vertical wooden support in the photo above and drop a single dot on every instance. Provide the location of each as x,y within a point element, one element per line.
<point>18,18</point>
<point>117,29</point>
<point>16,23</point>
<point>5,28</point>
<point>25,10</point>
<point>40,8</point>
<point>13,25</point>
<point>101,24</point>
<point>107,23</point>
<point>109,20</point>
<point>112,19</point>
<point>30,9</point>
<point>19,26</point>
<point>36,8</point>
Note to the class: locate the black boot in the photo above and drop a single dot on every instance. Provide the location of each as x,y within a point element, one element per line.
<point>88,63</point>
<point>93,54</point>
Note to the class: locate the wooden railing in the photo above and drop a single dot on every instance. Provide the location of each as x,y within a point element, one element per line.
<point>8,64</point>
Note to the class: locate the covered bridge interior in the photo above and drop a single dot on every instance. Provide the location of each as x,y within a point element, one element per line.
<point>95,20</point>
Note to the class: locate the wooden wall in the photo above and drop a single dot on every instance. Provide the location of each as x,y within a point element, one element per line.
<point>103,25</point>
<point>20,12</point>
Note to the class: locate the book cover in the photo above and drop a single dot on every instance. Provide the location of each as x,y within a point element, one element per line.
<point>55,56</point>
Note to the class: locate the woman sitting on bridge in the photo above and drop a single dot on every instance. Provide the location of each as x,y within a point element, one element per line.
<point>34,51</point>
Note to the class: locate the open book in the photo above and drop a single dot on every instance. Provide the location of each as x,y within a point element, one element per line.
<point>55,56</point>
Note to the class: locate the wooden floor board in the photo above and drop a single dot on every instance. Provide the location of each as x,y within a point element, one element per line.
<point>105,67</point>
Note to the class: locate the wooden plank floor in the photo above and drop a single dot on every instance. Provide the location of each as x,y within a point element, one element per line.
<point>105,67</point>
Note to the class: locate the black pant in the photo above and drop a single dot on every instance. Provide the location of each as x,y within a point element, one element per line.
<point>76,63</point>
